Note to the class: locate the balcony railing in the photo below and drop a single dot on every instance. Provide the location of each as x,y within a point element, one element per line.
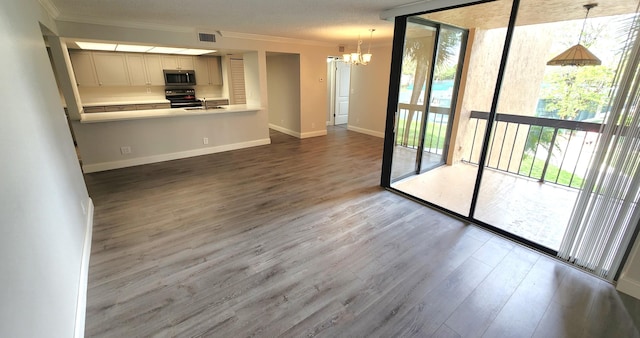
<point>549,150</point>
<point>410,118</point>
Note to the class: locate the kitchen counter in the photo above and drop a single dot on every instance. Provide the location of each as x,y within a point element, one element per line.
<point>162,113</point>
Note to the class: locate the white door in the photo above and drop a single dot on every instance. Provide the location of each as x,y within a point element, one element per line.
<point>343,77</point>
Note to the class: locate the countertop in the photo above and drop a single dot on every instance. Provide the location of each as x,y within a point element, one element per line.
<point>162,113</point>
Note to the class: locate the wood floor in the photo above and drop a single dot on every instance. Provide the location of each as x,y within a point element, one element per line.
<point>297,239</point>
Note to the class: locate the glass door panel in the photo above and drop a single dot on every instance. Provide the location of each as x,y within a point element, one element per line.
<point>547,124</point>
<point>416,69</point>
<point>443,93</point>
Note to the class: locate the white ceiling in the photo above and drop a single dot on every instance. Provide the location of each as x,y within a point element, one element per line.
<point>337,22</point>
<point>333,21</point>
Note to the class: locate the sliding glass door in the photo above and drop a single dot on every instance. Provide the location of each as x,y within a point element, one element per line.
<point>480,126</point>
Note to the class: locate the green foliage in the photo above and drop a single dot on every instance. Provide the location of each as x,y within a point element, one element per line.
<point>569,90</point>
<point>432,140</point>
<point>539,135</point>
<point>553,172</point>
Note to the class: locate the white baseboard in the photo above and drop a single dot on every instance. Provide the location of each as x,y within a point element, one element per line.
<point>629,286</point>
<point>314,133</point>
<point>366,131</point>
<point>81,307</point>
<point>284,130</point>
<point>90,168</point>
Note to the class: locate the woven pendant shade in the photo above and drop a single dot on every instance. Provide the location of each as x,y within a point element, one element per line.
<point>577,55</point>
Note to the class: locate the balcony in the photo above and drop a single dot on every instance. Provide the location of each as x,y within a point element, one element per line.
<point>535,167</point>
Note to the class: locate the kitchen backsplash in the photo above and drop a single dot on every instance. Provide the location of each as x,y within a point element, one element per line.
<point>142,93</point>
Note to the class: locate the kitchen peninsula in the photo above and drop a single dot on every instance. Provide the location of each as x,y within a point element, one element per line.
<point>166,112</point>
<point>131,124</point>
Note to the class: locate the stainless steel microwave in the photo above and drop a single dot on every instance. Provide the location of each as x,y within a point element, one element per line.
<point>179,77</point>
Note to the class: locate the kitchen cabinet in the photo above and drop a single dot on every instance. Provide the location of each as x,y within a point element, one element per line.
<point>94,109</point>
<point>175,62</point>
<point>208,70</point>
<point>144,70</point>
<point>153,106</point>
<point>126,107</point>
<point>111,69</point>
<point>83,68</point>
<point>137,70</point>
<point>121,107</point>
<point>215,70</point>
<point>202,71</point>
<point>153,65</point>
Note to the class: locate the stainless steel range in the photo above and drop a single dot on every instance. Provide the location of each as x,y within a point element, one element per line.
<point>182,98</point>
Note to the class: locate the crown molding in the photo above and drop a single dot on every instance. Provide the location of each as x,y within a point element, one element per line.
<point>51,9</point>
<point>271,38</point>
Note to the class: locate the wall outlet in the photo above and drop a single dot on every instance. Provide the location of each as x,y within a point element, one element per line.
<point>125,150</point>
<point>205,140</point>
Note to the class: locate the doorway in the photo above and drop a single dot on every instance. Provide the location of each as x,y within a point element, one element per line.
<point>339,89</point>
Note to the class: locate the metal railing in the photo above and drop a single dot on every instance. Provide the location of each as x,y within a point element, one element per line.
<point>409,121</point>
<point>549,150</point>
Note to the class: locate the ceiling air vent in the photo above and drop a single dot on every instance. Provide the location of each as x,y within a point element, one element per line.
<point>206,37</point>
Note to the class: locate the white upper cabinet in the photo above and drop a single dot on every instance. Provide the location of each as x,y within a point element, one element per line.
<point>137,71</point>
<point>111,69</point>
<point>93,68</point>
<point>144,70</point>
<point>83,68</point>
<point>208,71</point>
<point>202,71</point>
<point>177,62</point>
<point>215,70</point>
<point>153,65</point>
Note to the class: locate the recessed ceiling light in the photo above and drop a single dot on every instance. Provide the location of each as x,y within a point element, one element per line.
<point>96,46</point>
<point>132,48</point>
<point>164,50</point>
<point>195,51</point>
<point>141,49</point>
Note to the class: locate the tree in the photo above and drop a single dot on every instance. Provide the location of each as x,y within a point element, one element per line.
<point>569,90</point>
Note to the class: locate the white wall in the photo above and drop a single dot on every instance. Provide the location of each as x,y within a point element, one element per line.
<point>369,93</point>
<point>283,87</point>
<point>42,223</point>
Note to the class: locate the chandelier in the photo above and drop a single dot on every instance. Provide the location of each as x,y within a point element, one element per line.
<point>358,58</point>
<point>577,55</point>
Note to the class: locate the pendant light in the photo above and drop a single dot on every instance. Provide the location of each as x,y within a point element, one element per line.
<point>358,58</point>
<point>577,55</point>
